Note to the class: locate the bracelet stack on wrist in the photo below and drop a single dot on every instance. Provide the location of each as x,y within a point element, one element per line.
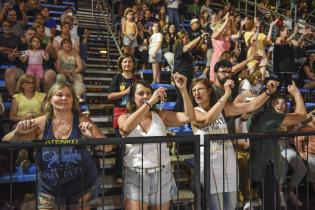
<point>147,103</point>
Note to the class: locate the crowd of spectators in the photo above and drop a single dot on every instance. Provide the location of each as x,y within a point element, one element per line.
<point>227,58</point>
<point>241,57</point>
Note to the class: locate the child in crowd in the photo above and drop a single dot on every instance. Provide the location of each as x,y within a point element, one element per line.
<point>35,56</point>
<point>130,32</point>
<point>155,51</point>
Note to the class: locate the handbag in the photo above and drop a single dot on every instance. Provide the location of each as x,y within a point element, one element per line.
<point>117,112</point>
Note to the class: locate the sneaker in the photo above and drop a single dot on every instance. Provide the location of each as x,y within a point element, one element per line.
<point>248,206</point>
<point>251,205</point>
<point>294,199</point>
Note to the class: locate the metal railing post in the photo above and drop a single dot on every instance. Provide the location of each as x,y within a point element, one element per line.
<point>197,203</point>
<point>246,7</point>
<point>255,8</point>
<point>92,7</point>
<point>295,12</point>
<point>108,50</point>
<point>207,168</point>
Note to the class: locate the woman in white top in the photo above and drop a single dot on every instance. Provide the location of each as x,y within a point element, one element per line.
<point>142,161</point>
<point>210,120</point>
<point>155,51</point>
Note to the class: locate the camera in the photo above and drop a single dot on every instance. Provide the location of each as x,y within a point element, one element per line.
<point>22,53</point>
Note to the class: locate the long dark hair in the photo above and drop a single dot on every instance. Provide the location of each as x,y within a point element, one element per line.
<point>131,105</point>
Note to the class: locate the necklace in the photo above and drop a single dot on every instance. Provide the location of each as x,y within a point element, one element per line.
<point>63,128</point>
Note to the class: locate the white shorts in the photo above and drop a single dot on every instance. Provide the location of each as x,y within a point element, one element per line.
<point>151,185</point>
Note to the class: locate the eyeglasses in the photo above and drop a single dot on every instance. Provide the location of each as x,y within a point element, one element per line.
<point>200,90</point>
<point>29,82</point>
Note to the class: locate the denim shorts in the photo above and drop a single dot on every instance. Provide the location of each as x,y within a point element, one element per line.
<point>90,198</point>
<point>158,58</point>
<point>151,185</point>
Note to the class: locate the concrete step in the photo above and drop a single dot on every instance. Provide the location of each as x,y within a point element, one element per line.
<point>93,65</point>
<point>104,118</point>
<point>113,52</point>
<point>97,86</point>
<point>99,59</point>
<point>98,94</point>
<point>100,71</point>
<point>101,106</point>
<point>112,46</point>
<point>98,78</point>
<point>107,131</point>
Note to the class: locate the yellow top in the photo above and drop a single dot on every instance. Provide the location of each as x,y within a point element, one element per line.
<point>33,105</point>
<point>258,47</point>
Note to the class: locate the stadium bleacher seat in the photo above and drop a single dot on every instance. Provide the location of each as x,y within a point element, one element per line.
<point>167,86</point>
<point>20,176</point>
<point>166,105</point>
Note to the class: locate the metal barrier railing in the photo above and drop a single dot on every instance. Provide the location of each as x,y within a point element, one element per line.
<point>209,147</point>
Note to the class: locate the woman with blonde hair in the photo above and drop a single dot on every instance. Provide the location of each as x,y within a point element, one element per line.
<point>256,41</point>
<point>59,179</point>
<point>27,103</point>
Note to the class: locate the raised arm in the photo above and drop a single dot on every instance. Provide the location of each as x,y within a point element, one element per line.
<point>216,109</point>
<point>128,122</point>
<point>23,14</point>
<point>240,31</point>
<point>299,113</point>
<point>290,38</point>
<point>171,118</point>
<point>220,30</point>
<point>4,10</point>
<point>238,67</point>
<point>269,36</point>
<point>234,109</point>
<point>193,43</point>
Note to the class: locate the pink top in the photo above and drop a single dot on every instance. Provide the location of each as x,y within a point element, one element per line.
<point>219,46</point>
<point>35,56</point>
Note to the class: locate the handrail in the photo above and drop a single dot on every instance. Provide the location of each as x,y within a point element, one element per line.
<point>143,140</point>
<point>281,15</point>
<point>271,11</point>
<point>108,26</point>
<point>108,7</point>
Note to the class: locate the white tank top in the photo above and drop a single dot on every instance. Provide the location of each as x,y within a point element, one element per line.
<point>219,175</point>
<point>151,152</point>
